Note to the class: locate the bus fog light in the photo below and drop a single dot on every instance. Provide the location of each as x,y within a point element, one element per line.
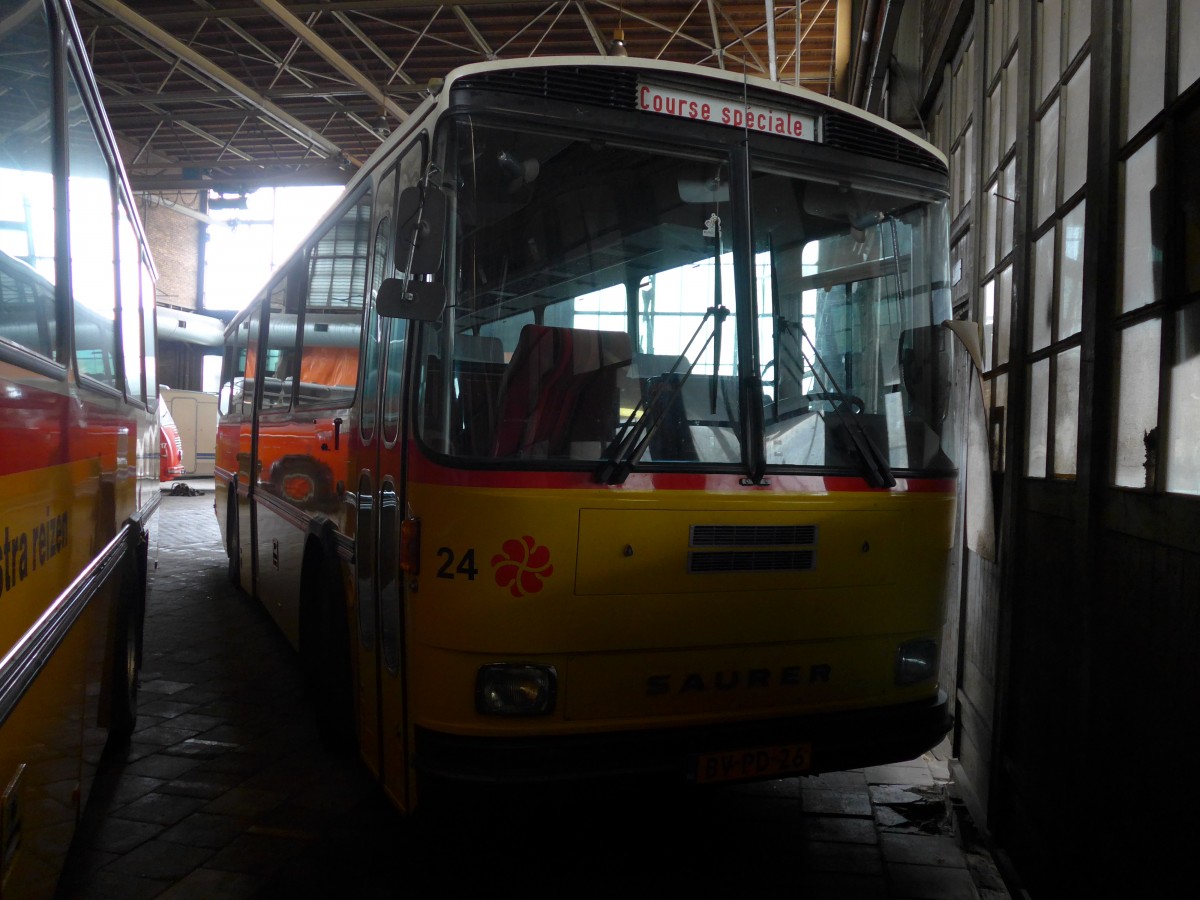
<point>916,661</point>
<point>515,690</point>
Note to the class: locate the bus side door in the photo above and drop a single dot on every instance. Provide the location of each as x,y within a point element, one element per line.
<point>380,589</point>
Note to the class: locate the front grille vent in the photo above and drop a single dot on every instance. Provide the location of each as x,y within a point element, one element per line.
<point>750,561</point>
<point>593,86</point>
<point>845,132</point>
<point>776,548</point>
<point>752,535</point>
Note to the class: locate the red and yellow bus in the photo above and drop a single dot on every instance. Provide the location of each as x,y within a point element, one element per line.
<point>602,429</point>
<point>79,463</point>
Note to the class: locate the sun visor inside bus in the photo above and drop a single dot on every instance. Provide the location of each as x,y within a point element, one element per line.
<point>421,214</point>
<point>704,190</point>
<point>844,205</point>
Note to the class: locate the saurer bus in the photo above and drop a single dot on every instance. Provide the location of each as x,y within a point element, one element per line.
<point>602,430</point>
<point>79,461</point>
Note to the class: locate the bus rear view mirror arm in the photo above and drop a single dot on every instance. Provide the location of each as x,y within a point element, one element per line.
<point>401,298</point>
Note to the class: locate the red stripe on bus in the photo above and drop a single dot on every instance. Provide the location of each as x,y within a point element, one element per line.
<point>426,471</point>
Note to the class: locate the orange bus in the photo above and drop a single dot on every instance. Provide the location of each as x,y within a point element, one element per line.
<point>79,465</point>
<point>603,429</point>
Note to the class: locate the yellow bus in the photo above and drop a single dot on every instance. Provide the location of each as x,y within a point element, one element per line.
<point>602,430</point>
<point>79,462</point>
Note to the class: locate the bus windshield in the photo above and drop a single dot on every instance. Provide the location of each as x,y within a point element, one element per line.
<point>599,315</point>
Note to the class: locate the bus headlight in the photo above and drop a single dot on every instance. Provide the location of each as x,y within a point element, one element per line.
<point>515,690</point>
<point>916,661</point>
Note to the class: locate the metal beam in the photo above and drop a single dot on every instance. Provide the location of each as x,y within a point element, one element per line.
<point>478,38</point>
<point>332,57</point>
<point>718,49</point>
<point>770,20</point>
<point>374,48</point>
<point>215,96</point>
<point>597,38</point>
<point>286,123</point>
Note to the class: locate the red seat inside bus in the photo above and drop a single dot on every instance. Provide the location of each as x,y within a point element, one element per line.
<point>561,387</point>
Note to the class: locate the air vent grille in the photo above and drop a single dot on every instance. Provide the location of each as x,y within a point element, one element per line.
<point>776,548</point>
<point>752,535</point>
<point>845,132</point>
<point>595,87</point>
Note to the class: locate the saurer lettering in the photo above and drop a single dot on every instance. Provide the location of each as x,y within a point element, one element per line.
<point>737,679</point>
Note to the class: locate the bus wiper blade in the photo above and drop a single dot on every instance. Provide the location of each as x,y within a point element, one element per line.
<point>636,431</point>
<point>877,469</point>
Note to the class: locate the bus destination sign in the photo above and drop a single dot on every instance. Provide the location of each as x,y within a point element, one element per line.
<point>686,105</point>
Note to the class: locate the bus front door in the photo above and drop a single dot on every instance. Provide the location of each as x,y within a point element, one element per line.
<point>380,583</point>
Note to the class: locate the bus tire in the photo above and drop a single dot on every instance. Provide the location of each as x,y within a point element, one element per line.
<point>126,661</point>
<point>325,654</point>
<point>232,540</point>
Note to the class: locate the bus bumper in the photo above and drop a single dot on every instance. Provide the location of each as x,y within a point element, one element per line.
<point>836,741</point>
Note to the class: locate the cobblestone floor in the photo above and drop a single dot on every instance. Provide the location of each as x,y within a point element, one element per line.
<point>225,791</point>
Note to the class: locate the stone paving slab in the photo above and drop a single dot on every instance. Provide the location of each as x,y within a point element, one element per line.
<point>225,791</point>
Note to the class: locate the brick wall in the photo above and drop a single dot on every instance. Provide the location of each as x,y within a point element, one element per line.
<point>174,241</point>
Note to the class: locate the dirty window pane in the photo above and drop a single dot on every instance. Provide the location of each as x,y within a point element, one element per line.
<point>1043,290</point>
<point>1140,258</point>
<point>1066,413</point>
<point>993,128</point>
<point>1074,151</point>
<point>1189,44</point>
<point>1137,404</point>
<point>1007,206</point>
<point>968,169</point>
<point>995,49</point>
<point>989,325</point>
<point>1050,22</point>
<point>1070,273</point>
<point>1039,402</point>
<point>962,99</point>
<point>1003,314</point>
<point>1144,62</point>
<point>1188,198</point>
<point>1183,455</point>
<point>989,241</point>
<point>1079,25</point>
<point>1010,100</point>
<point>1047,162</point>
<point>999,407</point>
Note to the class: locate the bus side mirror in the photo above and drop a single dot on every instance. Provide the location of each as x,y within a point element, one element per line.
<point>422,301</point>
<point>421,215</point>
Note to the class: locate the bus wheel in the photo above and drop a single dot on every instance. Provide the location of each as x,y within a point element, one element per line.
<point>232,541</point>
<point>124,692</point>
<point>325,656</point>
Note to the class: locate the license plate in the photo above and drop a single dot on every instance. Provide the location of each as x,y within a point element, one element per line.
<point>759,762</point>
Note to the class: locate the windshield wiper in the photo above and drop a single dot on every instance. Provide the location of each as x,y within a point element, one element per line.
<point>875,465</point>
<point>636,431</point>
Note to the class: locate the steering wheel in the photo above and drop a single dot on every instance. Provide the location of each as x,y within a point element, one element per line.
<point>855,403</point>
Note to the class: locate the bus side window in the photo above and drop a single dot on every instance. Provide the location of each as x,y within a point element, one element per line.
<point>149,329</point>
<point>129,279</point>
<point>248,336</point>
<point>26,306</point>
<point>27,310</point>
<point>279,365</point>
<point>90,209</point>
<point>337,281</point>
